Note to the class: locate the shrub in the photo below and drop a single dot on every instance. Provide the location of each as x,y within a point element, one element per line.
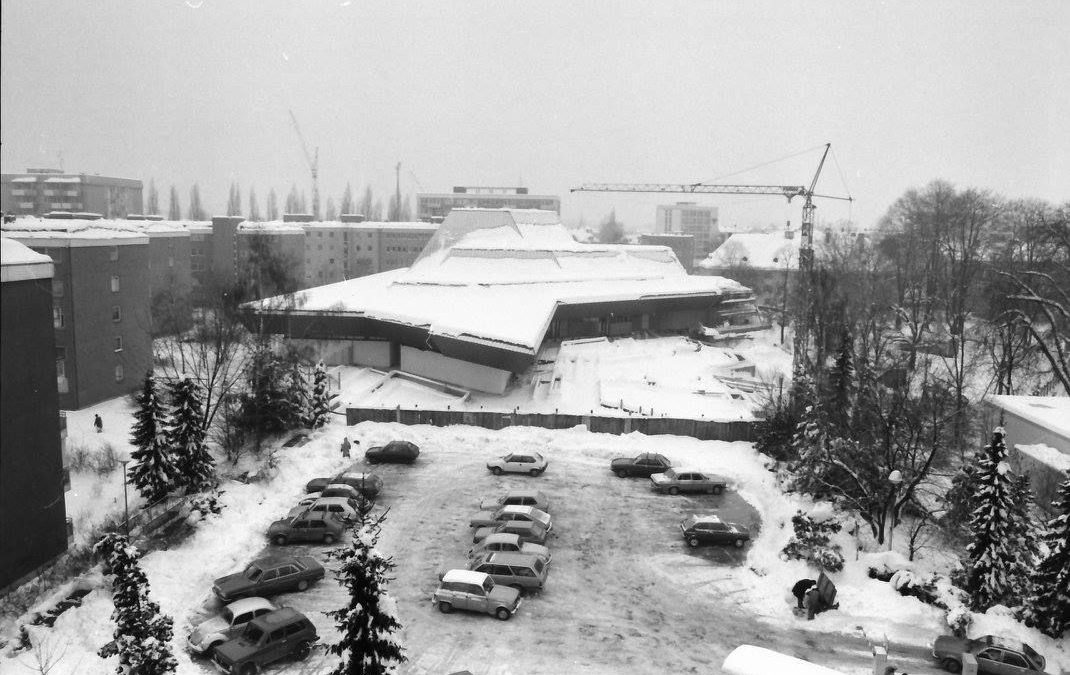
<point>78,457</point>
<point>104,460</point>
<point>811,543</point>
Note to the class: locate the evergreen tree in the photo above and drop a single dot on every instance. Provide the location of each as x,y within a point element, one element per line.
<point>174,210</point>
<point>1048,607</point>
<point>302,203</point>
<point>292,204</point>
<point>153,471</point>
<point>297,396</point>
<point>611,231</point>
<point>810,447</point>
<point>347,201</point>
<point>332,213</point>
<point>321,401</point>
<point>254,207</point>
<point>266,408</point>
<point>1023,527</point>
<point>367,204</point>
<point>142,634</point>
<point>234,201</point>
<point>842,383</point>
<point>196,209</point>
<point>153,207</point>
<point>185,436</point>
<point>994,564</point>
<point>272,205</point>
<point>376,213</point>
<point>365,624</point>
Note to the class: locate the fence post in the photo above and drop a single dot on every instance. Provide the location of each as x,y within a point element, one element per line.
<point>969,664</point>
<point>880,659</point>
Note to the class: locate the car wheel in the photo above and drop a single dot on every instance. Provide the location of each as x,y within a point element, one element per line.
<point>302,585</point>
<point>534,472</point>
<point>328,539</point>
<point>674,490</point>
<point>503,614</point>
<point>209,651</point>
<point>738,543</point>
<point>249,669</point>
<point>445,607</point>
<point>952,666</point>
<point>692,542</point>
<point>718,489</point>
<point>496,471</point>
<point>280,539</point>
<point>303,649</point>
<point>621,473</point>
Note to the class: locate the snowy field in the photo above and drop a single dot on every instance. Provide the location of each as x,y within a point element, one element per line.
<point>624,595</point>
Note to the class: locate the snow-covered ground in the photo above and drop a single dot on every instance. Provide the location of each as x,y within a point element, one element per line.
<point>625,595</point>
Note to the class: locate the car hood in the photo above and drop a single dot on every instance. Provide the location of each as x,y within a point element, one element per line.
<point>660,478</point>
<point>489,504</point>
<point>621,461</point>
<point>504,594</point>
<point>279,526</point>
<point>951,645</point>
<point>739,529</point>
<point>235,650</point>
<point>535,549</point>
<point>484,515</point>
<point>483,532</point>
<point>214,625</point>
<point>232,583</point>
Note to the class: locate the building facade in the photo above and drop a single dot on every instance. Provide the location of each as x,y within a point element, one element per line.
<point>683,245</point>
<point>41,191</point>
<point>33,522</point>
<point>433,206</point>
<point>336,251</point>
<point>691,218</point>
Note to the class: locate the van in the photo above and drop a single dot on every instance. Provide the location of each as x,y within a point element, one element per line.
<point>522,571</point>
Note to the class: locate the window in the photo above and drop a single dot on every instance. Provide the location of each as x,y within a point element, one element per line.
<point>61,362</point>
<point>118,343</point>
<point>1013,659</point>
<point>119,373</point>
<point>170,261</point>
<point>115,284</point>
<point>114,253</point>
<point>57,288</point>
<point>57,316</point>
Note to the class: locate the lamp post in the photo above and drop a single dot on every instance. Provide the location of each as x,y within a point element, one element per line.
<point>895,478</point>
<point>126,501</point>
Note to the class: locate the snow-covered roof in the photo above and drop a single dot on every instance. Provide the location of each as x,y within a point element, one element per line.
<point>368,225</point>
<point>1045,454</point>
<point>464,577</point>
<point>1050,412</point>
<point>150,227</point>
<point>76,231</point>
<point>760,250</point>
<point>20,263</point>
<point>272,227</point>
<point>499,274</point>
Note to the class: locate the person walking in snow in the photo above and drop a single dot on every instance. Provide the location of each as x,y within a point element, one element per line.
<point>345,446</point>
<point>98,423</point>
<point>812,600</point>
<point>800,588</point>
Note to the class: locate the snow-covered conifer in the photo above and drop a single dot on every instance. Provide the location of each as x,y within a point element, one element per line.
<point>366,623</point>
<point>185,436</point>
<point>142,636</point>
<point>1048,607</point>
<point>153,471</point>
<point>321,402</point>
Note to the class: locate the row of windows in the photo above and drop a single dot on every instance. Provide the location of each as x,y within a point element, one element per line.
<point>59,320</point>
<point>61,366</point>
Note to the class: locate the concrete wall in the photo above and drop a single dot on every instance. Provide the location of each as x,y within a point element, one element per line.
<point>374,353</point>
<point>170,281</point>
<point>462,373</point>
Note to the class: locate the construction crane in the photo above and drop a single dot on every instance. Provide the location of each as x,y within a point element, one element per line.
<point>313,160</point>
<point>806,233</point>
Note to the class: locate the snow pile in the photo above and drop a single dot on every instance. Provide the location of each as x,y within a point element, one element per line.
<point>14,253</point>
<point>1045,454</point>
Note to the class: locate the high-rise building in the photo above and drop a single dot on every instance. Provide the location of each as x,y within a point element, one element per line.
<point>41,191</point>
<point>433,206</point>
<point>691,218</point>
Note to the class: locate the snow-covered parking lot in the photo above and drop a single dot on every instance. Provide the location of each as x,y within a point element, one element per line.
<point>624,594</point>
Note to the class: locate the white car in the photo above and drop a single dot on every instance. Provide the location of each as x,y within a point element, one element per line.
<point>219,629</point>
<point>529,513</point>
<point>342,507</point>
<point>509,543</point>
<point>531,463</point>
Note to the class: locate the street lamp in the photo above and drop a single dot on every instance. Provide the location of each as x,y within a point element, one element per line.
<point>126,501</point>
<point>895,478</point>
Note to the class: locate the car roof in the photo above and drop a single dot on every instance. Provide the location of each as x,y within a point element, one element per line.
<point>275,561</point>
<point>525,493</point>
<point>248,605</point>
<point>511,558</point>
<point>706,519</point>
<point>279,616</point>
<point>517,508</point>
<point>465,577</point>
<point>406,444</point>
<point>333,500</point>
<point>501,538</point>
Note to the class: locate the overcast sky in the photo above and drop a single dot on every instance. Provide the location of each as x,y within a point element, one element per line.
<point>547,95</point>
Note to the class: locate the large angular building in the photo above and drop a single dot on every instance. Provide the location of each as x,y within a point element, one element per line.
<point>41,191</point>
<point>436,206</point>
<point>491,288</point>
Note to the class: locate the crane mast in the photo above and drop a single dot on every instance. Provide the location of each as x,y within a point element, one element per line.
<point>313,160</point>
<point>806,234</point>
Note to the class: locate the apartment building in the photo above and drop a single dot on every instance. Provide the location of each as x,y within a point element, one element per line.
<point>694,219</point>
<point>435,206</point>
<point>335,251</point>
<point>41,191</point>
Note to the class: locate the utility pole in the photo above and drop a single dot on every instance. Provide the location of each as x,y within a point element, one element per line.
<point>397,192</point>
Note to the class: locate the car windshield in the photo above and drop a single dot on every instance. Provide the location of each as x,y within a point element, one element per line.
<point>252,572</point>
<point>488,585</point>
<point>253,633</point>
<point>1033,656</point>
<point>537,456</point>
<point>670,473</point>
<point>228,616</point>
<point>690,522</point>
<point>538,565</point>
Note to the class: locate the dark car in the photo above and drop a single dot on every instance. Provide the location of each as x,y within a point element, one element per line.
<point>646,465</point>
<point>526,530</point>
<point>394,452</point>
<point>318,527</point>
<point>995,655</point>
<point>675,481</point>
<point>268,576</point>
<point>367,484</point>
<point>712,530</point>
<point>266,639</point>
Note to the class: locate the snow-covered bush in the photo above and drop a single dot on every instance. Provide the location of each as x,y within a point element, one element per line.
<point>959,619</point>
<point>811,543</point>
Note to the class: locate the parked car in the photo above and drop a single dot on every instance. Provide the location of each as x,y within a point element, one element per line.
<point>344,508</point>
<point>315,527</point>
<point>518,462</point>
<point>484,518</point>
<point>995,655</point>
<point>229,623</point>
<point>508,542</point>
<point>517,498</point>
<point>396,452</point>
<point>526,530</point>
<point>266,639</point>
<point>367,484</point>
<point>340,490</point>
<point>522,571</point>
<point>268,576</point>
<point>646,464</point>
<point>675,481</point>
<point>475,592</point>
<point>712,530</point>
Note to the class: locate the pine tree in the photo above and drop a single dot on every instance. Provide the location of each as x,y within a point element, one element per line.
<point>234,201</point>
<point>302,203</point>
<point>810,447</point>
<point>347,201</point>
<point>292,205</point>
<point>174,210</point>
<point>153,471</point>
<point>272,205</point>
<point>367,204</point>
<point>185,436</point>
<point>297,397</point>
<point>196,209</point>
<point>332,213</point>
<point>153,207</point>
<point>142,636</point>
<point>1048,607</point>
<point>842,383</point>
<point>994,563</point>
<point>1023,527</point>
<point>321,401</point>
<point>366,645</point>
<point>254,207</point>
<point>376,214</point>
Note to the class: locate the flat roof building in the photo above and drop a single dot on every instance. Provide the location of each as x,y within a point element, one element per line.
<point>41,191</point>
<point>433,206</point>
<point>690,218</point>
